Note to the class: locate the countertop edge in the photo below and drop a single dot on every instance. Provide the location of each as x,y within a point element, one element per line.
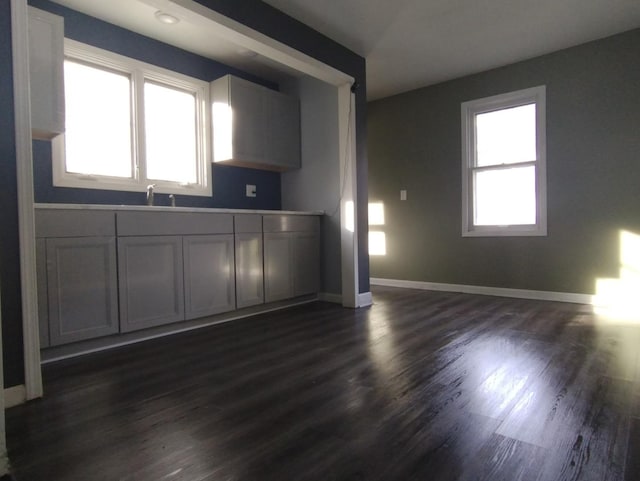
<point>146,208</point>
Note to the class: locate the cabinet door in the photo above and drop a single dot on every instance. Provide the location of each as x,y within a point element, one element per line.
<point>249,120</point>
<point>278,255</point>
<point>82,288</point>
<point>283,131</point>
<point>306,264</point>
<point>249,272</point>
<point>46,57</point>
<point>209,285</point>
<point>43,302</point>
<point>150,281</point>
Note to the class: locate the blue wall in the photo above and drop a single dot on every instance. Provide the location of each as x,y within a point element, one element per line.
<point>228,181</point>
<point>9,242</point>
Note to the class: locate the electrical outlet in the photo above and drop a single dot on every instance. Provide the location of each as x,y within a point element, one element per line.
<point>403,195</point>
<point>251,190</point>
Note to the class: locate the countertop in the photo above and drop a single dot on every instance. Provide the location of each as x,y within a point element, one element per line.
<point>160,208</point>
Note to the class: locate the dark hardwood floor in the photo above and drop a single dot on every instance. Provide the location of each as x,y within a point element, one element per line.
<point>421,386</point>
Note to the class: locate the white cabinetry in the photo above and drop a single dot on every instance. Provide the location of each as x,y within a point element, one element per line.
<point>77,276</point>
<point>291,256</point>
<point>102,271</point>
<point>249,269</point>
<point>46,66</point>
<point>306,267</point>
<point>150,281</point>
<point>254,126</point>
<point>208,275</point>
<point>283,131</point>
<point>278,265</point>
<point>173,266</point>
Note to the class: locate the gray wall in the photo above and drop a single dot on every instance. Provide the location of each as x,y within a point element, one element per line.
<point>593,173</point>
<point>317,185</point>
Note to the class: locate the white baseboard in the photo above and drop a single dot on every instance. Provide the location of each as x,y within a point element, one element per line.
<point>14,396</point>
<point>365,299</point>
<point>329,297</point>
<point>488,291</point>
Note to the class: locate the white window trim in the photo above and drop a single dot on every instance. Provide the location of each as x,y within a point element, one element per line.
<point>139,71</point>
<point>468,111</point>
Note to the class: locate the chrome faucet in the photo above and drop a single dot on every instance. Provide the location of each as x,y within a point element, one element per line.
<point>150,194</point>
<point>172,199</point>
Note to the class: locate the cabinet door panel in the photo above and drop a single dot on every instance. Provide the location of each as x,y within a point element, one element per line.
<point>82,288</point>
<point>249,120</point>
<point>43,302</point>
<point>209,281</point>
<point>278,256</point>
<point>249,271</point>
<point>283,131</point>
<point>150,281</point>
<point>306,265</point>
<point>46,57</point>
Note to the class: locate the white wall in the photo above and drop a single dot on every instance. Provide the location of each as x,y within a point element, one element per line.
<point>316,186</point>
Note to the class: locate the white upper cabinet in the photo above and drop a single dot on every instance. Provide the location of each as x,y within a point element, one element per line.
<point>254,126</point>
<point>46,66</point>
<point>283,139</point>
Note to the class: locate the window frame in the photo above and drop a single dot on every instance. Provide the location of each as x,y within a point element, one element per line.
<point>469,110</point>
<point>139,72</point>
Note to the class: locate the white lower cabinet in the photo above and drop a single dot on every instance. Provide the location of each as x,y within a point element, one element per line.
<point>81,288</point>
<point>291,256</point>
<point>278,266</point>
<point>249,269</point>
<point>151,285</point>
<point>43,292</point>
<point>77,275</point>
<point>102,272</point>
<point>249,260</point>
<point>208,275</point>
<point>306,263</point>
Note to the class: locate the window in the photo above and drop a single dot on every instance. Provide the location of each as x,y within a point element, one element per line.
<point>130,124</point>
<point>503,165</point>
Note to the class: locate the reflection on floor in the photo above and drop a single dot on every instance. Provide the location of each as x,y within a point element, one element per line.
<point>422,385</point>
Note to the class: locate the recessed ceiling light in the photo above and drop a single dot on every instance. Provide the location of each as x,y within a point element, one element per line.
<point>166,18</point>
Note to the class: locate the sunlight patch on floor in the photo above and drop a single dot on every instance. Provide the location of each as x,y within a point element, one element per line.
<point>618,299</point>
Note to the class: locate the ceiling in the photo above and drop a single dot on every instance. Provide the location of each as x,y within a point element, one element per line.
<point>407,43</point>
<point>415,43</point>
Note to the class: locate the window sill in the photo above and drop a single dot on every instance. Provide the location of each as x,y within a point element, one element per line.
<point>520,231</point>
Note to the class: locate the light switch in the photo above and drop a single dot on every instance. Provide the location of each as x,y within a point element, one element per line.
<point>403,195</point>
<point>251,190</point>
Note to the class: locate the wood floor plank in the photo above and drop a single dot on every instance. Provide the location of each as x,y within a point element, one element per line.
<point>422,385</point>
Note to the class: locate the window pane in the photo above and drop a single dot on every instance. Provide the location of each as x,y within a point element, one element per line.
<point>505,196</point>
<point>98,121</point>
<point>170,126</point>
<point>506,136</point>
